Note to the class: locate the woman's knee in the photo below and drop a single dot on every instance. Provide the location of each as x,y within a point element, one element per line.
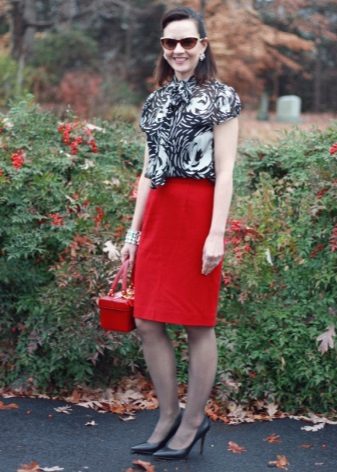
<point>148,328</point>
<point>199,332</point>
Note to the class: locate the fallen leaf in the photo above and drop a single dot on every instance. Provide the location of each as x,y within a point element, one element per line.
<point>314,428</point>
<point>127,418</point>
<point>91,423</point>
<point>52,469</point>
<point>326,339</point>
<point>236,413</point>
<point>111,250</point>
<point>306,446</point>
<point>234,447</point>
<point>32,467</point>
<point>95,405</point>
<point>75,396</point>
<point>313,418</point>
<point>64,409</point>
<point>147,466</point>
<point>8,406</point>
<point>281,462</point>
<point>7,394</point>
<point>273,438</point>
<point>272,409</point>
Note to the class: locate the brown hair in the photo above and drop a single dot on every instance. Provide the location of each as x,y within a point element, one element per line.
<point>206,70</point>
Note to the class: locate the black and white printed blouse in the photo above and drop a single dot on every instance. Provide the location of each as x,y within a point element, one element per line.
<point>178,120</point>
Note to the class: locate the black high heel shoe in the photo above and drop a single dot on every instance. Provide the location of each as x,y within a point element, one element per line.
<point>150,448</point>
<point>174,454</point>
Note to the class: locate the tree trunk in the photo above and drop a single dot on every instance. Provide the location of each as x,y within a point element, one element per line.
<point>29,15</point>
<point>317,81</point>
<point>23,26</point>
<point>17,27</point>
<point>19,75</point>
<point>67,12</point>
<point>127,25</point>
<point>202,7</point>
<point>21,37</point>
<point>276,87</point>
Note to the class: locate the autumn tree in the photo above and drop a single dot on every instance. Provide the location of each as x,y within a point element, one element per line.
<point>250,54</point>
<point>316,21</point>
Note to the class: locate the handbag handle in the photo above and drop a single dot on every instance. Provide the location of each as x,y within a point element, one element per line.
<point>122,274</point>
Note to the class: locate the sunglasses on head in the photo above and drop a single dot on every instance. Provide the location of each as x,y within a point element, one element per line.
<point>186,43</point>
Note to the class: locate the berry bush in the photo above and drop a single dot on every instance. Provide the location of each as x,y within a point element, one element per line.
<point>279,305</point>
<point>66,192</point>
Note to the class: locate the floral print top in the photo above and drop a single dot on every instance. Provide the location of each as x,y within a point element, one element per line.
<point>178,120</point>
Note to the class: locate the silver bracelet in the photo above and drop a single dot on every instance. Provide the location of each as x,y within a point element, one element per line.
<point>132,237</point>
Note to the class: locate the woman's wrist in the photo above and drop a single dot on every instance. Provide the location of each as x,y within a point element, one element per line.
<point>132,237</point>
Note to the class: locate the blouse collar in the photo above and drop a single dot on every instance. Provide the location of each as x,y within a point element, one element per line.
<point>181,90</point>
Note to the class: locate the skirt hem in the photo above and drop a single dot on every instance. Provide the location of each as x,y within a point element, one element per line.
<point>165,319</point>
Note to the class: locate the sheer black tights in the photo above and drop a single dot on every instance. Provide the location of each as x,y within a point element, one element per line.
<point>160,359</point>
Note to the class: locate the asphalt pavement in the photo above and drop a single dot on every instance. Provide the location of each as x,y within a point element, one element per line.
<point>36,432</point>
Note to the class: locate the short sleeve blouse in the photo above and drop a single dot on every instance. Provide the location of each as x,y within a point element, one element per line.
<point>178,120</point>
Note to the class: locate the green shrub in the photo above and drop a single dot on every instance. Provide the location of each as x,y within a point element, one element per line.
<point>65,191</point>
<point>280,273</point>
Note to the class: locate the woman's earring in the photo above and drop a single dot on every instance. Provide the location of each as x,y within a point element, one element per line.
<point>202,57</point>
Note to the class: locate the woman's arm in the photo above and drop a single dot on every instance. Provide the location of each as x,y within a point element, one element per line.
<point>129,250</point>
<point>225,145</point>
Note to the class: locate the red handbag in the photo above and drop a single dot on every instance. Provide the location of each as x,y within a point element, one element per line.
<point>116,308</point>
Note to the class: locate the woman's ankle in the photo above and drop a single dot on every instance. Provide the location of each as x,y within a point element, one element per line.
<point>193,421</point>
<point>169,415</point>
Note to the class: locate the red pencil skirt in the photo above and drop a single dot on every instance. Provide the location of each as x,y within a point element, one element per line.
<point>169,285</point>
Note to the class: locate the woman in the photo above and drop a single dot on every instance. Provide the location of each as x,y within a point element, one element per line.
<point>179,222</point>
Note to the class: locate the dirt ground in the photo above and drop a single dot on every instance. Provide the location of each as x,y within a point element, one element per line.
<point>252,129</point>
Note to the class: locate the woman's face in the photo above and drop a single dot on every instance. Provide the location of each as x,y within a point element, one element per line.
<point>183,61</point>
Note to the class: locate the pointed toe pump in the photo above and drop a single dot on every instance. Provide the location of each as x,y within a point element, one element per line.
<point>166,453</point>
<point>150,448</point>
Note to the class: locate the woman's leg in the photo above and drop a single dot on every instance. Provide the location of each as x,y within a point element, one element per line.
<point>202,370</point>
<point>160,359</point>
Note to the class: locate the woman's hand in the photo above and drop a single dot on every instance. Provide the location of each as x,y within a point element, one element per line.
<point>213,252</point>
<point>128,252</point>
